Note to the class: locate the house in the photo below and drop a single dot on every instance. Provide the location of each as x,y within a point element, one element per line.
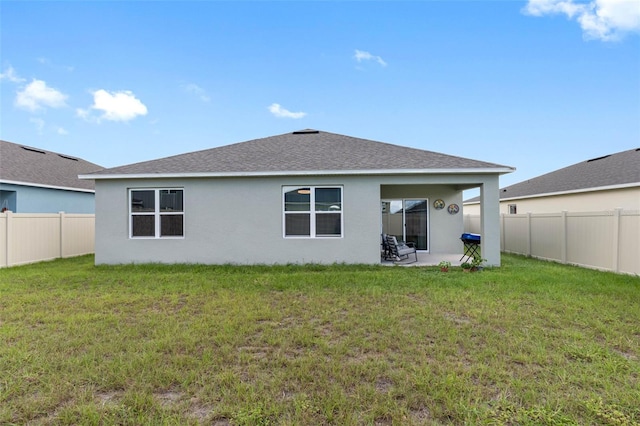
<point>33,180</point>
<point>303,197</point>
<point>604,183</point>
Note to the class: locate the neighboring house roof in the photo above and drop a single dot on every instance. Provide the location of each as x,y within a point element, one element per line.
<point>621,169</point>
<point>24,165</point>
<point>301,152</point>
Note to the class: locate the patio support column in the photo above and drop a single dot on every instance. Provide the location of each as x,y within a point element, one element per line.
<point>490,220</point>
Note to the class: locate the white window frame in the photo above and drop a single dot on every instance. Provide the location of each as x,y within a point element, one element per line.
<point>312,212</point>
<point>513,208</point>
<point>157,214</point>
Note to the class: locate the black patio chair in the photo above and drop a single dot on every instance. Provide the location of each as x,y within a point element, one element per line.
<point>400,251</point>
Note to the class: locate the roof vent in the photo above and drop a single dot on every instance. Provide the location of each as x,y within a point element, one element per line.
<point>599,158</point>
<point>305,132</point>
<point>26,148</point>
<point>68,158</point>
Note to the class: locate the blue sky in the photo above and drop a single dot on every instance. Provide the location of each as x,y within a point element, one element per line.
<point>536,85</point>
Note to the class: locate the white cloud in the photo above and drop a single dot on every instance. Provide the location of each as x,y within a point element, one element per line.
<point>48,63</point>
<point>37,95</point>
<point>39,123</point>
<point>361,55</point>
<point>607,20</point>
<point>10,74</point>
<point>83,113</point>
<point>196,90</point>
<point>278,111</point>
<point>41,126</point>
<point>115,106</point>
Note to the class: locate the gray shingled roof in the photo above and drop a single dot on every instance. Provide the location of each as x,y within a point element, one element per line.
<point>620,168</point>
<point>27,165</point>
<point>300,151</point>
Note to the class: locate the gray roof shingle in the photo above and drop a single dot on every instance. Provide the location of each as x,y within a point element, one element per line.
<point>300,151</point>
<point>27,165</point>
<point>620,168</point>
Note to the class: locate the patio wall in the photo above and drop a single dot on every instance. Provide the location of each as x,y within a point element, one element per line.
<point>34,237</point>
<point>606,240</point>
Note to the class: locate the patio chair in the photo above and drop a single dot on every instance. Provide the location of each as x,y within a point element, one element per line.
<point>385,250</point>
<point>400,251</point>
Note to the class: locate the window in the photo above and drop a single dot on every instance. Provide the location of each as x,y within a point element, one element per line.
<point>312,212</point>
<point>513,209</point>
<point>156,213</point>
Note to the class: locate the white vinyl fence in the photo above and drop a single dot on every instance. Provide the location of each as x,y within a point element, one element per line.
<point>607,240</point>
<point>33,237</point>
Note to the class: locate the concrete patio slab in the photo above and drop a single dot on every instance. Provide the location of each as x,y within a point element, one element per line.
<point>427,259</point>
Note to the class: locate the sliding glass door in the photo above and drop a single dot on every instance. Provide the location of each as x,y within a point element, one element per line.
<point>408,220</point>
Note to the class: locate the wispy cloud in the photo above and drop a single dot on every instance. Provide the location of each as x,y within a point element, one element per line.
<point>280,112</point>
<point>41,126</point>
<point>197,91</point>
<point>11,75</point>
<point>361,55</point>
<point>37,95</point>
<point>606,20</point>
<point>39,123</point>
<point>50,64</point>
<point>115,106</point>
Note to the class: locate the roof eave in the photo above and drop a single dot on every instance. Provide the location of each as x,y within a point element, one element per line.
<point>474,200</point>
<point>496,170</point>
<point>574,191</point>
<point>41,185</point>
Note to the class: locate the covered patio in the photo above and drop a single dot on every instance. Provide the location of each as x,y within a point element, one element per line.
<point>424,211</point>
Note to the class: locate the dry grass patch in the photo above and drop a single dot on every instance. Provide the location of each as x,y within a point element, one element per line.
<point>529,343</point>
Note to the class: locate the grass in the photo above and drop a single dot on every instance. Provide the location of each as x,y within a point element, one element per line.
<point>529,343</point>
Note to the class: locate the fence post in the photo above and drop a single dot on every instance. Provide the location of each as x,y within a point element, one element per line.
<point>529,234</point>
<point>616,240</point>
<point>563,240</point>
<point>61,249</point>
<point>502,228</point>
<point>8,241</point>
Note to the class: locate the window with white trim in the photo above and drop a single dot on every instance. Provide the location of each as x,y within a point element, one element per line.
<point>312,211</point>
<point>156,213</point>
<point>513,209</point>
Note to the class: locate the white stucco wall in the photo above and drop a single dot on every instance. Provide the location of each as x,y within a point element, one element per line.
<point>490,221</point>
<point>239,220</point>
<point>236,221</point>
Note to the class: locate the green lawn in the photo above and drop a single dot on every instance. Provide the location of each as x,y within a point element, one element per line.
<point>529,343</point>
